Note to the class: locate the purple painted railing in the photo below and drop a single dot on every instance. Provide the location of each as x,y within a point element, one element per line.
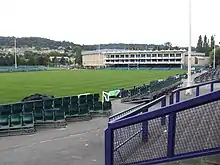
<point>140,116</point>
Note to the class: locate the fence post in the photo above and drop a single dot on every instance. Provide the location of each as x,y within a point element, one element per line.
<point>177,96</point>
<point>108,147</point>
<point>171,98</point>
<point>171,134</point>
<point>145,130</point>
<point>197,91</point>
<point>163,104</point>
<point>212,87</point>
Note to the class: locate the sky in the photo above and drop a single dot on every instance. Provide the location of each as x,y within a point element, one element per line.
<point>110,21</point>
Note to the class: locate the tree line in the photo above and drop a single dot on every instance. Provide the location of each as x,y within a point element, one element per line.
<point>205,45</point>
<point>32,58</point>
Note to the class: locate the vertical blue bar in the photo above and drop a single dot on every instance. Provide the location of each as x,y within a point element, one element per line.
<point>212,87</point>
<point>122,92</point>
<point>177,96</point>
<point>171,98</point>
<point>109,147</point>
<point>163,118</point>
<point>197,91</point>
<point>171,134</point>
<point>145,130</point>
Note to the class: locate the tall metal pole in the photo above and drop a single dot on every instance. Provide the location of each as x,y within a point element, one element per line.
<point>214,54</point>
<point>15,53</point>
<point>99,56</point>
<point>189,81</point>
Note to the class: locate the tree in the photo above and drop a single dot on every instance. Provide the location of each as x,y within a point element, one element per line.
<point>217,56</point>
<point>78,56</point>
<point>205,46</point>
<point>212,43</point>
<point>62,61</point>
<point>167,45</point>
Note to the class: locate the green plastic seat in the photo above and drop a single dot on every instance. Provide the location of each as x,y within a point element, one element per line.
<point>66,105</point>
<point>4,121</point>
<point>58,102</point>
<point>74,100</point>
<point>48,115</point>
<point>106,105</point>
<point>15,120</point>
<point>74,110</point>
<point>89,98</point>
<point>95,97</point>
<point>98,106</point>
<point>59,115</point>
<point>38,111</point>
<point>5,109</point>
<point>82,99</point>
<point>89,101</point>
<point>17,108</point>
<point>28,107</point>
<point>27,119</point>
<point>48,104</point>
<point>83,109</point>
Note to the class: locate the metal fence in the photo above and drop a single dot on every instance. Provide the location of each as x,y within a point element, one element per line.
<point>186,129</point>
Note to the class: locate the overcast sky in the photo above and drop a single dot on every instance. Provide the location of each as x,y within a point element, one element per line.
<point>110,21</point>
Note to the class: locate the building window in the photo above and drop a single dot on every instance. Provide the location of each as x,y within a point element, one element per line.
<point>132,56</point>
<point>122,56</point>
<point>154,60</point>
<point>160,55</point>
<point>138,55</point>
<point>159,60</point>
<point>166,55</point>
<point>165,60</point>
<point>126,56</point>
<point>117,56</point>
<point>148,55</point>
<point>142,55</point>
<point>196,60</point>
<point>142,60</point>
<point>107,60</point>
<point>178,60</point>
<point>154,55</point>
<point>112,56</point>
<point>172,60</point>
<point>132,60</point>
<point>171,55</point>
<point>178,55</point>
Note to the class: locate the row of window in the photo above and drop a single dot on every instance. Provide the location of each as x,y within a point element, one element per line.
<point>143,55</point>
<point>142,60</point>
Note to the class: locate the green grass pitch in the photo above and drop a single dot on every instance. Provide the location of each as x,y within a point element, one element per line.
<point>15,86</point>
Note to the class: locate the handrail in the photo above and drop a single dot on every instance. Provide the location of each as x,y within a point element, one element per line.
<point>181,106</point>
<point>142,108</point>
<point>124,112</point>
<point>196,85</point>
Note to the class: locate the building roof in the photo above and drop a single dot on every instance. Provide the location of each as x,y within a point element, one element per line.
<point>102,51</point>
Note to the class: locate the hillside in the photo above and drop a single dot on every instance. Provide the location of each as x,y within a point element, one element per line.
<point>36,42</point>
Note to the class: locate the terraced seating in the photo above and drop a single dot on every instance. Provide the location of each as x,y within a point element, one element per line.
<point>151,91</point>
<point>25,115</point>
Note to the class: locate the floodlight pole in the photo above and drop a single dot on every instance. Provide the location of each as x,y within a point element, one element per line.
<point>15,54</point>
<point>189,80</point>
<point>99,55</point>
<point>214,54</point>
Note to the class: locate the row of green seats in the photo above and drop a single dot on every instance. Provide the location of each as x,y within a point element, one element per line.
<point>16,121</point>
<point>57,108</point>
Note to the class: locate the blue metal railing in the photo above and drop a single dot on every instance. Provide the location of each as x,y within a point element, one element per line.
<point>140,114</point>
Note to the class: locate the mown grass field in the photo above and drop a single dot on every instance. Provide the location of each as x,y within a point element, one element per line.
<point>15,86</point>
